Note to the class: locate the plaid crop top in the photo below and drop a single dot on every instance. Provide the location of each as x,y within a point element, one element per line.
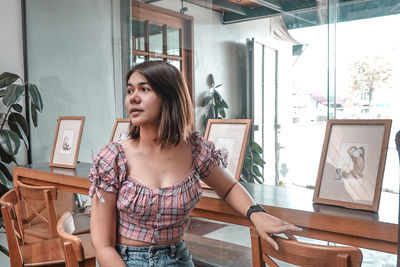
<point>153,214</point>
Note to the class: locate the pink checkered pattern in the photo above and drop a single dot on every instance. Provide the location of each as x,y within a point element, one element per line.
<point>153,214</point>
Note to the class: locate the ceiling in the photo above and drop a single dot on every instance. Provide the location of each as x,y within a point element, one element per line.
<point>296,13</point>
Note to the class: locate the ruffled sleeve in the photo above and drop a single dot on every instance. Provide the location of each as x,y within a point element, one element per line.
<point>108,170</point>
<point>206,156</point>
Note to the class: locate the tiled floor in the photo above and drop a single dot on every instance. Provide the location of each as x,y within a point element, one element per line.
<point>242,237</point>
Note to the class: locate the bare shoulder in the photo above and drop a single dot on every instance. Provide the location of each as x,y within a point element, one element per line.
<point>128,145</point>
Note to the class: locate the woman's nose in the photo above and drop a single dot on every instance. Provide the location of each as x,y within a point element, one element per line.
<point>135,98</point>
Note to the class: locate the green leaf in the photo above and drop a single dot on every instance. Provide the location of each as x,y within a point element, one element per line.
<point>224,104</point>
<point>5,171</point>
<point>256,171</point>
<point>9,141</point>
<point>7,78</point>
<point>5,157</point>
<point>211,112</point>
<point>222,112</point>
<point>13,94</point>
<point>18,118</point>
<point>217,86</point>
<point>256,148</point>
<point>34,115</point>
<point>4,250</point>
<point>19,125</point>
<point>5,142</point>
<point>258,161</point>
<point>23,135</point>
<point>2,92</point>
<point>217,98</point>
<point>35,97</point>
<point>257,179</point>
<point>205,101</point>
<point>17,107</point>
<point>5,181</point>
<point>247,164</point>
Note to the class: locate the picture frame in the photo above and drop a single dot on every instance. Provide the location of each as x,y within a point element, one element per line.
<point>352,163</point>
<point>232,135</point>
<point>120,130</point>
<point>67,141</point>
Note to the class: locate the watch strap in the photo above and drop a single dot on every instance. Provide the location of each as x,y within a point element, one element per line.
<point>254,208</point>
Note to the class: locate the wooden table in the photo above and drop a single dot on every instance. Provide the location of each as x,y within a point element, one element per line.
<point>377,231</point>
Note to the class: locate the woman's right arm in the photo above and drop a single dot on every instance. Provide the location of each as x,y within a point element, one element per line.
<point>103,222</point>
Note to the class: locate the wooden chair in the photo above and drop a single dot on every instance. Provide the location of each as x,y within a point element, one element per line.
<point>43,253</point>
<point>77,248</point>
<point>36,214</point>
<point>302,254</point>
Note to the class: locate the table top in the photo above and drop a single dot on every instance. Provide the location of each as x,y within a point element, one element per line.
<point>295,198</point>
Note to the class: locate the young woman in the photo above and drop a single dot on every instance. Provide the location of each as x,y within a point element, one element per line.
<point>146,185</point>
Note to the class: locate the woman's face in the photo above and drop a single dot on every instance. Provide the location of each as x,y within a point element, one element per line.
<point>142,103</point>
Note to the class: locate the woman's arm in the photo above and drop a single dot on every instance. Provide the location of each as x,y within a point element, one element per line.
<point>103,222</point>
<point>239,199</point>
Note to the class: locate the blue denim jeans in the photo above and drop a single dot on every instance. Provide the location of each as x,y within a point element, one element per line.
<point>175,254</point>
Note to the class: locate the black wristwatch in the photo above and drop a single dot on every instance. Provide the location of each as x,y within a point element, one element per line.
<point>254,208</point>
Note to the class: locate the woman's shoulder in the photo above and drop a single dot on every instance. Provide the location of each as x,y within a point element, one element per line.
<point>111,151</point>
<point>199,142</point>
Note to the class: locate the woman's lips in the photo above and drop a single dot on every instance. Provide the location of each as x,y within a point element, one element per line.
<point>135,111</point>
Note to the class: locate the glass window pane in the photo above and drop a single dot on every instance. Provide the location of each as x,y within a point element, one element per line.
<point>138,60</point>
<point>138,35</point>
<point>176,63</point>
<point>155,59</point>
<point>156,39</point>
<point>173,42</point>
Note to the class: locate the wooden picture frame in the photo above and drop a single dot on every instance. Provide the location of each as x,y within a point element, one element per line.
<point>231,135</point>
<point>67,141</point>
<point>120,130</point>
<point>352,163</point>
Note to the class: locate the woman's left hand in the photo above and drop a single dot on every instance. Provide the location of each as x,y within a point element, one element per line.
<point>267,225</point>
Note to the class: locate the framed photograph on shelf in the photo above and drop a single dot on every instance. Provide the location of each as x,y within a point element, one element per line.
<point>67,141</point>
<point>352,163</point>
<point>231,135</point>
<point>120,130</point>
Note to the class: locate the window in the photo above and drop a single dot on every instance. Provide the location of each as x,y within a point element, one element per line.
<point>159,34</point>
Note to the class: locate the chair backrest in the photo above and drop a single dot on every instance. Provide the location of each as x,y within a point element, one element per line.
<point>37,208</point>
<point>73,247</point>
<point>302,254</point>
<point>9,204</point>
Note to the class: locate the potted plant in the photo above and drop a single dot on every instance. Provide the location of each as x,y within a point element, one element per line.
<point>216,106</point>
<point>214,102</point>
<point>14,129</point>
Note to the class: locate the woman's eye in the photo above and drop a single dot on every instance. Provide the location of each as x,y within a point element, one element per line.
<point>129,91</point>
<point>145,89</point>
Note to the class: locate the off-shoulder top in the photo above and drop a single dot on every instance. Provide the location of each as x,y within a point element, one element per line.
<point>153,214</point>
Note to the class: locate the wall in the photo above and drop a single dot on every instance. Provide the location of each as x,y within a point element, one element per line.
<point>221,50</point>
<point>11,55</point>
<point>70,57</point>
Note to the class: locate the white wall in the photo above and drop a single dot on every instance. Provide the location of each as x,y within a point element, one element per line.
<point>70,57</point>
<point>11,52</point>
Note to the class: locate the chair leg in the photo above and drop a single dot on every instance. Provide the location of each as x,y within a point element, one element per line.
<point>70,260</point>
<point>256,249</point>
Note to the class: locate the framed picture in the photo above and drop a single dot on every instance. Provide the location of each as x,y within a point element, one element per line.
<point>120,130</point>
<point>67,141</point>
<point>352,163</point>
<point>231,135</point>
